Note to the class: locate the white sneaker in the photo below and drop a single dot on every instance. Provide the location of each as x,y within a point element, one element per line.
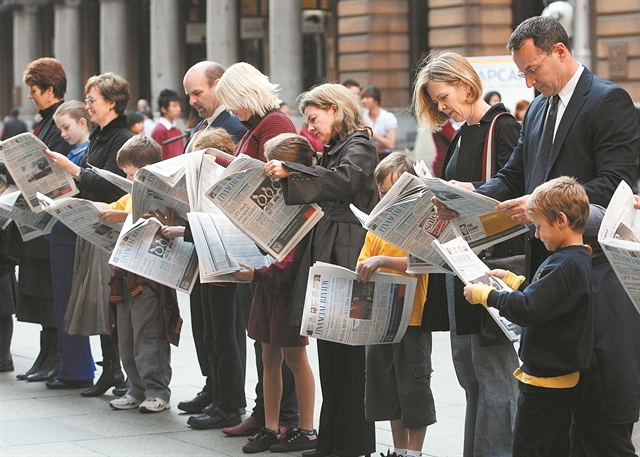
<point>154,405</point>
<point>125,402</point>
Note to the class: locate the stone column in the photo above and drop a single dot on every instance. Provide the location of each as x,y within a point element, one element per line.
<point>114,44</point>
<point>25,49</point>
<point>165,48</point>
<point>222,32</point>
<point>285,47</point>
<point>67,46</point>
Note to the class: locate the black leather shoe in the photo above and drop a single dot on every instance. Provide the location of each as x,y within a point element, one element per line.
<point>122,389</point>
<point>216,419</point>
<point>196,404</point>
<point>62,384</point>
<point>106,380</point>
<point>45,375</point>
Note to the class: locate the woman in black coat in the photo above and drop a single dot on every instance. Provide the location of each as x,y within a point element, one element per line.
<point>343,176</point>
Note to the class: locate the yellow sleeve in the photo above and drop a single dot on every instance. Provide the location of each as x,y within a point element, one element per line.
<point>481,294</point>
<point>123,204</point>
<point>513,280</point>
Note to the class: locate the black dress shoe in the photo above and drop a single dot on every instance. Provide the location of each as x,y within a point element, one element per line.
<point>45,375</point>
<point>63,384</point>
<point>122,389</point>
<point>196,404</point>
<point>217,418</point>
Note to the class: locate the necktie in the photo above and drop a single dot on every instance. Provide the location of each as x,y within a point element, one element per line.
<point>546,143</point>
<point>202,127</point>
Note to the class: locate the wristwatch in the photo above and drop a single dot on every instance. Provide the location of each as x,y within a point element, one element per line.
<point>77,174</point>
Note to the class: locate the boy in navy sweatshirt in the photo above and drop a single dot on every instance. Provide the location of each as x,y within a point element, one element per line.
<point>556,315</point>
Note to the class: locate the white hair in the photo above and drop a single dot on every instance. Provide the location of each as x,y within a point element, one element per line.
<point>244,86</point>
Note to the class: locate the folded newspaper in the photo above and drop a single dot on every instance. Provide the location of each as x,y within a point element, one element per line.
<point>81,216</point>
<point>338,308</point>
<point>117,180</point>
<point>406,218</point>
<point>619,237</point>
<point>255,204</point>
<point>141,249</point>
<point>13,206</point>
<point>471,270</point>
<point>24,156</point>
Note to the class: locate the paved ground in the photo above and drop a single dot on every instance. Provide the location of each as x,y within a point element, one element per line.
<point>36,421</point>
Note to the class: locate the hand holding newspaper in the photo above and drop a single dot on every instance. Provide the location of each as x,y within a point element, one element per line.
<point>255,204</point>
<point>339,308</point>
<point>24,157</point>
<point>619,236</point>
<point>471,270</point>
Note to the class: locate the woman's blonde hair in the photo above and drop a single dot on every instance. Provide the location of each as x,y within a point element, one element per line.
<point>349,118</point>
<point>244,86</point>
<point>446,67</point>
<point>114,88</point>
<point>290,147</point>
<point>217,138</point>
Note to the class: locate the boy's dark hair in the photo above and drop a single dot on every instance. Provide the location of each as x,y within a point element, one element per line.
<point>350,82</point>
<point>44,73</point>
<point>133,117</point>
<point>138,151</point>
<point>394,163</point>
<point>561,195</point>
<point>290,147</point>
<point>373,92</point>
<point>166,97</point>
<point>544,31</point>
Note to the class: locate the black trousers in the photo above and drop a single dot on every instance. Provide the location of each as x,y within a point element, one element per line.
<point>602,440</point>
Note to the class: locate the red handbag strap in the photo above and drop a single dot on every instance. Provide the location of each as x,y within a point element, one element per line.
<point>489,161</point>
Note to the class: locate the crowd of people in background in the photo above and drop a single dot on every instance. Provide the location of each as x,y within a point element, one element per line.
<point>573,387</point>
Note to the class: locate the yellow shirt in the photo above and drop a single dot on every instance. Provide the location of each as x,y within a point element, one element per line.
<point>374,245</point>
<point>124,204</point>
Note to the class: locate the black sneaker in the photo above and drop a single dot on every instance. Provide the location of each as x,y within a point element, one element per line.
<point>295,440</point>
<point>265,439</point>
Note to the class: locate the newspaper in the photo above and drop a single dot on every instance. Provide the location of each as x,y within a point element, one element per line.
<point>14,206</point>
<point>619,237</point>
<point>117,180</point>
<point>142,250</point>
<point>255,204</point>
<point>160,186</point>
<point>24,157</point>
<point>417,266</point>
<point>471,270</point>
<point>220,246</point>
<point>81,216</point>
<point>339,308</point>
<point>202,172</point>
<point>406,218</point>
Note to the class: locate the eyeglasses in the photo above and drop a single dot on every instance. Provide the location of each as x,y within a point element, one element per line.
<point>91,101</point>
<point>533,71</point>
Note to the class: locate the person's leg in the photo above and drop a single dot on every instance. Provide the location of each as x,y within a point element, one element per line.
<point>272,358</point>
<point>6,334</point>
<point>296,359</point>
<point>602,440</point>
<point>416,441</point>
<point>126,347</point>
<point>400,435</point>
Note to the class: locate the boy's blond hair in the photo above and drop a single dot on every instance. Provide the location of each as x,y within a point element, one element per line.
<point>138,151</point>
<point>290,147</point>
<point>561,195</point>
<point>217,138</point>
<point>394,163</point>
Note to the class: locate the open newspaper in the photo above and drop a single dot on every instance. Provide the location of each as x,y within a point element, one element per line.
<point>256,205</point>
<point>619,237</point>
<point>24,157</point>
<point>160,186</point>
<point>339,308</point>
<point>141,249</point>
<point>471,270</point>
<point>13,206</point>
<point>406,218</point>
<point>119,181</point>
<point>81,216</point>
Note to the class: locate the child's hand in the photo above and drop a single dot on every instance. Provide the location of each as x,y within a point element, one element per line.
<point>172,218</point>
<point>172,231</point>
<point>636,202</point>
<point>113,216</point>
<point>246,274</point>
<point>464,185</point>
<point>468,293</point>
<point>367,267</point>
<point>274,169</point>
<point>498,273</point>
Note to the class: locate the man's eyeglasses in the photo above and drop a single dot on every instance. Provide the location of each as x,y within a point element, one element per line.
<point>532,72</point>
<point>91,101</point>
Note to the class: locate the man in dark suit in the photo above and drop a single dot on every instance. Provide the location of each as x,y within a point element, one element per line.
<point>13,126</point>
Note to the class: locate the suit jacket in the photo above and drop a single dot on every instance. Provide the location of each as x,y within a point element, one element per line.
<point>226,121</point>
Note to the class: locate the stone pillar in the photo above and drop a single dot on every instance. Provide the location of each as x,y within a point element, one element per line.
<point>285,47</point>
<point>166,68</point>
<point>25,49</point>
<point>67,46</point>
<point>114,43</point>
<point>222,31</point>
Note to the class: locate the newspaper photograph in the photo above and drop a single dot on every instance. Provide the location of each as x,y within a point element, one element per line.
<point>141,249</point>
<point>619,237</point>
<point>24,157</point>
<point>255,204</point>
<point>81,216</point>
<point>338,308</point>
<point>471,270</point>
<point>220,246</point>
<point>14,206</point>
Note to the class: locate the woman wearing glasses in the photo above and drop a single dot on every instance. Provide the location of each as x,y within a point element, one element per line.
<point>107,96</point>
<point>448,87</point>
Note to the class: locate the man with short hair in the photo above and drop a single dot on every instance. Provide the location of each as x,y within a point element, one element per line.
<point>13,126</point>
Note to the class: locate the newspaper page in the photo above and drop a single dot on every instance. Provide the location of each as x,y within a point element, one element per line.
<point>141,249</point>
<point>471,270</point>
<point>339,308</point>
<point>14,206</point>
<point>406,218</point>
<point>220,246</point>
<point>24,157</point>
<point>202,172</point>
<point>81,216</point>
<point>255,204</point>
<point>156,188</point>
<point>418,266</point>
<point>117,180</point>
<point>619,237</point>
